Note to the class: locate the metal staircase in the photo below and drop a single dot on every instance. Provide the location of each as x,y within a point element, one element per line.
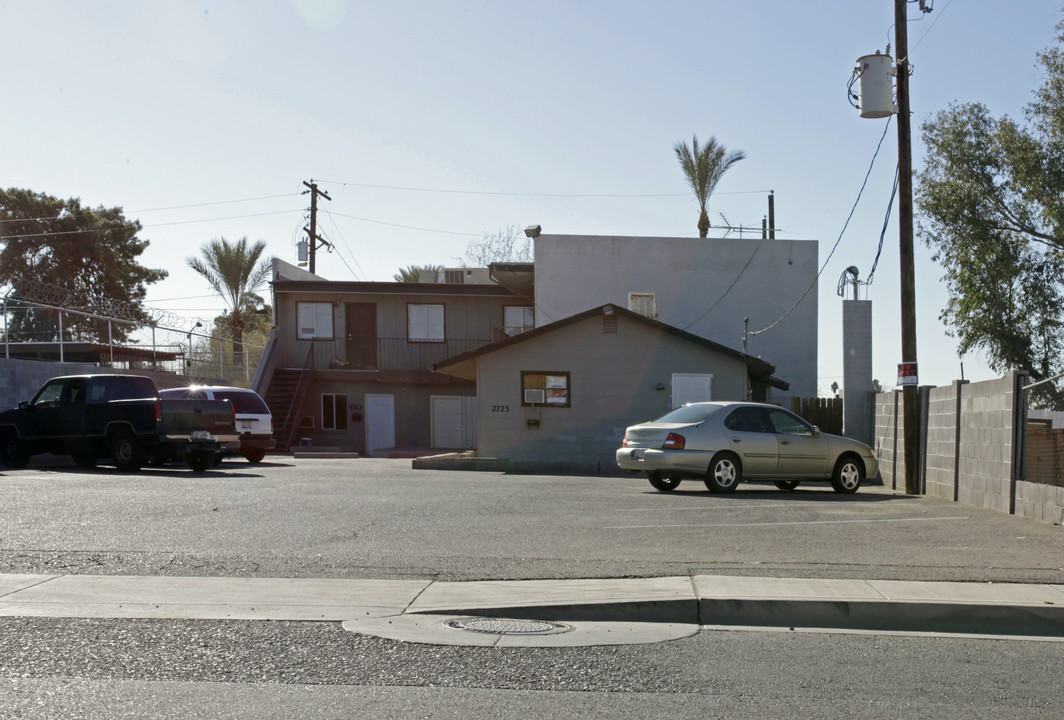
<point>285,396</point>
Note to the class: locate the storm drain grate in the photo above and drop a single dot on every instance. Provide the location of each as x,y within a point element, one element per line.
<point>507,626</point>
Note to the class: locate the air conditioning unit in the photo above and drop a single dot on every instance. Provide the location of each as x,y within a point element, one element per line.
<point>535,397</point>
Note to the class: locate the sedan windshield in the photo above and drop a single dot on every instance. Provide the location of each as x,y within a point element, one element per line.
<point>688,414</point>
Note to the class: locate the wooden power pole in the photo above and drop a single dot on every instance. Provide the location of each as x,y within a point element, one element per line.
<point>911,407</point>
<point>312,231</point>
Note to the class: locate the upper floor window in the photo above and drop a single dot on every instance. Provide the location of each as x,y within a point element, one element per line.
<point>517,319</point>
<point>643,303</point>
<point>314,320</point>
<point>424,323</point>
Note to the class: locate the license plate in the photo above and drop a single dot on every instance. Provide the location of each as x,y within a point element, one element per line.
<point>247,424</point>
<point>638,454</point>
<point>201,434</point>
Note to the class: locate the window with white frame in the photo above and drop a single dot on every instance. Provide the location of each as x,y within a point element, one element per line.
<point>516,319</point>
<point>333,411</point>
<point>314,320</point>
<point>643,303</point>
<point>424,323</point>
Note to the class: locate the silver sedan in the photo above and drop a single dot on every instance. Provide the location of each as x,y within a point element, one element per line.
<point>722,443</point>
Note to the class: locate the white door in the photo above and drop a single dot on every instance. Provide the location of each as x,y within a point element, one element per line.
<point>447,425</point>
<point>380,423</point>
<point>689,388</point>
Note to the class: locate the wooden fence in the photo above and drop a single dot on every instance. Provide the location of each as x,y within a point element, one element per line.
<point>825,413</point>
<point>1045,454</point>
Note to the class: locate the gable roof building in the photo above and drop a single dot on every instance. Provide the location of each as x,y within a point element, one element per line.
<point>560,396</point>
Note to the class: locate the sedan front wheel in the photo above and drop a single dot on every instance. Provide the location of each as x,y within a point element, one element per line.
<point>724,474</point>
<point>849,472</point>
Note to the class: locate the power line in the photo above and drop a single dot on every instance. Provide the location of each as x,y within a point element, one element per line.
<point>528,194</point>
<point>219,202</point>
<point>347,247</point>
<point>57,233</point>
<point>407,227</point>
<point>734,282</point>
<point>172,207</point>
<point>838,240</point>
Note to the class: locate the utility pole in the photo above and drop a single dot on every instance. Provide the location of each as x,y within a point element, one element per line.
<point>312,231</point>
<point>911,408</point>
<point>771,214</point>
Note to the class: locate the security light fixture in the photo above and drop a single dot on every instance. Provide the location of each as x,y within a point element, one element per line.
<point>533,231</point>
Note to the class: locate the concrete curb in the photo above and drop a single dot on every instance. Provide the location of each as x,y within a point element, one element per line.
<point>553,613</point>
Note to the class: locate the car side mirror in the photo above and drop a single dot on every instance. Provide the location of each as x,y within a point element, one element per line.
<point>24,404</point>
<point>816,431</point>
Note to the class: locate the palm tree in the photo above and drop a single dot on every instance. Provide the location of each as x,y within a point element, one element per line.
<point>412,273</point>
<point>703,168</point>
<point>235,271</point>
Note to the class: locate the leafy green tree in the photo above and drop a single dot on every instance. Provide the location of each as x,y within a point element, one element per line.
<point>991,198</point>
<point>412,273</point>
<point>235,271</point>
<point>703,168</point>
<point>57,252</point>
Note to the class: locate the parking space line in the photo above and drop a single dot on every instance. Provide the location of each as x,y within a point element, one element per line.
<point>710,509</point>
<point>769,524</point>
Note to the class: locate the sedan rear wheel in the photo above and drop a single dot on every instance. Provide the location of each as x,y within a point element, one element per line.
<point>724,473</point>
<point>662,483</point>
<point>849,472</point>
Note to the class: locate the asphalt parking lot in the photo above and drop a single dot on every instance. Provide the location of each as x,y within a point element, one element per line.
<point>379,518</point>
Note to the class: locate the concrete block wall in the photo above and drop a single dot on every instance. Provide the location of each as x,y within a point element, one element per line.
<point>986,458</point>
<point>940,479</point>
<point>21,379</point>
<point>888,441</point>
<point>1041,502</point>
<point>970,452</point>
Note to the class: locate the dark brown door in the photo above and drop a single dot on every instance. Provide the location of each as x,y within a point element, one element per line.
<point>362,335</point>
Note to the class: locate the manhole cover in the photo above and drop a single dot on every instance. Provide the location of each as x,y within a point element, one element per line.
<point>507,626</point>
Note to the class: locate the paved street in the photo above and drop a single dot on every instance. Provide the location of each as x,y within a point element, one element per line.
<point>378,519</point>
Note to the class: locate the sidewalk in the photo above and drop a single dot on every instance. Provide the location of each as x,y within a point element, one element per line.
<point>544,613</point>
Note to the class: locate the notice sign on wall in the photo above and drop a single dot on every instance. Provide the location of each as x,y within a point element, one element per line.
<point>907,374</point>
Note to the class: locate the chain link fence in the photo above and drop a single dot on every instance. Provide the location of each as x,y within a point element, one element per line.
<point>1044,449</point>
<point>45,322</point>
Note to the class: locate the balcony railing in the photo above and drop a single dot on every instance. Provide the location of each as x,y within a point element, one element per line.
<point>386,353</point>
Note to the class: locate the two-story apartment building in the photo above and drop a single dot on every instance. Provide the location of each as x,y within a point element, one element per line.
<point>349,364</point>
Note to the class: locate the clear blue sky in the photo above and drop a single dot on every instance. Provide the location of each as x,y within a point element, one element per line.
<point>202,119</point>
